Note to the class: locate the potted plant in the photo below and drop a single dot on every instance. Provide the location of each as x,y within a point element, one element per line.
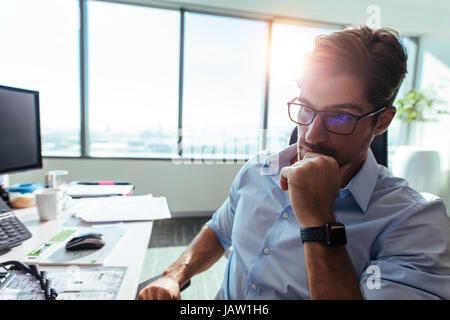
<point>418,106</point>
<point>420,166</point>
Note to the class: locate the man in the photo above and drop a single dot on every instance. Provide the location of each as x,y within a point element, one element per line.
<point>390,242</point>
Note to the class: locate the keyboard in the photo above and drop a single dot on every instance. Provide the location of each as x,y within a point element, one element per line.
<point>12,231</point>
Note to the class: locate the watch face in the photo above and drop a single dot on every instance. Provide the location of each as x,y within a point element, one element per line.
<point>336,234</point>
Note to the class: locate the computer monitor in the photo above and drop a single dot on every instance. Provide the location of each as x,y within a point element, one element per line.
<point>20,135</point>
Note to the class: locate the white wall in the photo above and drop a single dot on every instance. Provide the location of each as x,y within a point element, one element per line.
<point>191,189</point>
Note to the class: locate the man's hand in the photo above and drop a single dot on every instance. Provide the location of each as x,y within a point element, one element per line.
<point>164,288</point>
<point>313,184</point>
<point>200,255</point>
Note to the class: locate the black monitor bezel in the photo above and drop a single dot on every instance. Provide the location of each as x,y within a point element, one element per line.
<point>38,164</point>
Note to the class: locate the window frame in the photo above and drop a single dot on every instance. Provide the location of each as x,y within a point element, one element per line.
<point>182,9</point>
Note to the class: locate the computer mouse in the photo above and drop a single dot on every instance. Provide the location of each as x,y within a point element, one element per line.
<point>87,241</point>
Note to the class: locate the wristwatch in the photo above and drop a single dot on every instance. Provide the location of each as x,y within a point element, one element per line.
<point>332,234</point>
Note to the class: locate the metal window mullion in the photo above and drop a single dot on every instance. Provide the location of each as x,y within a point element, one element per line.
<point>180,86</point>
<point>84,117</point>
<point>265,112</point>
<point>416,63</point>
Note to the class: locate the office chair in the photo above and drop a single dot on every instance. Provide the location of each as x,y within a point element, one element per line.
<point>378,146</point>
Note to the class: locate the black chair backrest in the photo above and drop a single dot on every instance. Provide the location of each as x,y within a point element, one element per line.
<point>378,146</point>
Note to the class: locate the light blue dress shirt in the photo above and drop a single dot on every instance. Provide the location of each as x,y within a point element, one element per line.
<point>398,240</point>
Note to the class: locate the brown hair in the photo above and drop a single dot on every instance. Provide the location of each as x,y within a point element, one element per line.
<point>378,57</point>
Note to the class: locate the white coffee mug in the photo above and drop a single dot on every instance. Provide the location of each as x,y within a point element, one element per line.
<point>49,203</point>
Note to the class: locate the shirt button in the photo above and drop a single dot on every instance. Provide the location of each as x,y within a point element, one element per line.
<point>266,251</point>
<point>285,215</point>
<point>254,286</point>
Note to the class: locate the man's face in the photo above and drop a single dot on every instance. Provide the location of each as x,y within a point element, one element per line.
<point>335,92</point>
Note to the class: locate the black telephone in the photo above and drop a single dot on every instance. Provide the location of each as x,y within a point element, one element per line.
<point>12,233</point>
<point>32,269</point>
<point>12,230</point>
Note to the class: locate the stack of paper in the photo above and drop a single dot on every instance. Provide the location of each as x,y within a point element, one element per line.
<point>113,209</point>
<point>84,191</point>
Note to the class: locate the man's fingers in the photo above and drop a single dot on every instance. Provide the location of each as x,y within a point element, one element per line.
<point>161,289</point>
<point>163,295</point>
<point>283,179</point>
<point>287,171</point>
<point>148,293</point>
<point>143,294</point>
<point>312,155</point>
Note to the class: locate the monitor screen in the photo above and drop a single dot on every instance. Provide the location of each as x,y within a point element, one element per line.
<point>20,137</point>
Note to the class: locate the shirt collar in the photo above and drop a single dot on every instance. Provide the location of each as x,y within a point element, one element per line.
<point>275,162</point>
<point>363,183</point>
<point>361,186</point>
<point>272,165</point>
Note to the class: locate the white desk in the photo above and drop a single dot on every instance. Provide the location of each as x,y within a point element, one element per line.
<point>129,252</point>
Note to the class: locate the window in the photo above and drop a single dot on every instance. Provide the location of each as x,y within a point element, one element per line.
<point>40,52</point>
<point>133,63</point>
<point>133,78</point>
<point>224,85</point>
<point>289,45</point>
<point>396,136</point>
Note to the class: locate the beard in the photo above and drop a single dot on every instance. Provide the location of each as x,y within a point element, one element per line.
<point>304,147</point>
<point>341,157</point>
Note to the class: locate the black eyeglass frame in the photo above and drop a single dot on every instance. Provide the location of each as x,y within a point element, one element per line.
<point>321,113</point>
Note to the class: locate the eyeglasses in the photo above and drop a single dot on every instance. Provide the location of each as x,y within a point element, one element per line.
<point>335,122</point>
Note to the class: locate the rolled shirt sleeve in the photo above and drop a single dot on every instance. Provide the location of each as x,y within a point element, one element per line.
<point>222,220</point>
<point>222,223</point>
<point>412,261</point>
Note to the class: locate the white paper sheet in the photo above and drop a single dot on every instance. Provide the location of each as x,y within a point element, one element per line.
<point>110,209</point>
<point>82,190</point>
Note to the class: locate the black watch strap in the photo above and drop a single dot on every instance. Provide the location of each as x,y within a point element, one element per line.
<point>313,234</point>
<point>332,234</point>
